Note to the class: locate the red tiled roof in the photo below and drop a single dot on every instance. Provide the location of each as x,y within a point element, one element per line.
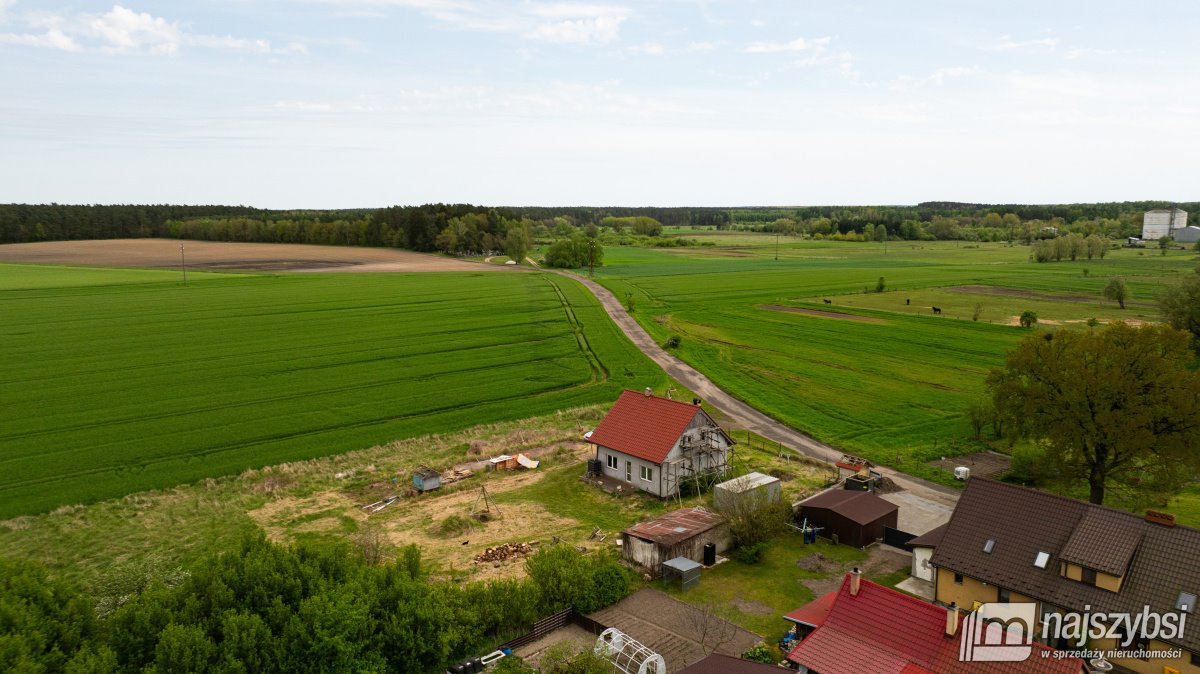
<point>676,526</point>
<point>887,632</point>
<point>814,612</point>
<point>644,426</point>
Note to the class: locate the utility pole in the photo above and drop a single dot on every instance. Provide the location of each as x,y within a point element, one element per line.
<point>591,257</point>
<point>777,245</point>
<point>183,265</point>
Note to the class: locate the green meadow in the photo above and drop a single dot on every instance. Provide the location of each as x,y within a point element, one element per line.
<point>116,381</point>
<point>877,376</point>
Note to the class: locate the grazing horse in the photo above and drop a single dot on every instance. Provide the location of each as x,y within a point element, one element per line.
<point>936,310</point>
<point>907,302</point>
<point>828,301</point>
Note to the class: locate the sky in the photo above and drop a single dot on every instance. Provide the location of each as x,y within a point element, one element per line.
<point>367,103</point>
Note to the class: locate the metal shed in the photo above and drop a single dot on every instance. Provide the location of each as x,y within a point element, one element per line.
<point>854,518</point>
<point>682,569</point>
<point>748,486</point>
<point>679,533</point>
<point>426,479</point>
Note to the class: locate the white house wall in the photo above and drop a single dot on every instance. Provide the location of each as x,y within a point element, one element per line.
<point>921,567</point>
<point>658,485</point>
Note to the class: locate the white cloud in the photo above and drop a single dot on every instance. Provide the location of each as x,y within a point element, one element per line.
<point>649,49</point>
<point>937,78</point>
<point>556,22</point>
<point>1006,43</point>
<point>1077,53</point>
<point>122,30</point>
<point>799,44</point>
<point>126,30</point>
<point>53,39</point>
<point>702,46</point>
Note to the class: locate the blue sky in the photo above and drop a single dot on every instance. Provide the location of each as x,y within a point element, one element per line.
<point>345,103</point>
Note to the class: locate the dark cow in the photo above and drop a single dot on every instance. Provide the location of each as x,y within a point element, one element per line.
<point>907,302</point>
<point>828,301</point>
<point>936,310</point>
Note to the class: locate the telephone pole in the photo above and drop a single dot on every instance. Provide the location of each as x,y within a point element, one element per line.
<point>183,265</point>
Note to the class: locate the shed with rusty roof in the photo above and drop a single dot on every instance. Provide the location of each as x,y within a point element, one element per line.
<point>851,517</point>
<point>679,533</point>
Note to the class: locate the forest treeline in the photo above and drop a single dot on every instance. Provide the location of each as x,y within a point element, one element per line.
<point>465,228</point>
<point>269,608</point>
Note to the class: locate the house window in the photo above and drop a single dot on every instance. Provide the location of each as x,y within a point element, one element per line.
<point>1141,643</point>
<point>958,579</point>
<point>1002,595</point>
<point>647,473</point>
<point>629,471</point>
<point>1195,659</point>
<point>1089,576</point>
<point>613,462</point>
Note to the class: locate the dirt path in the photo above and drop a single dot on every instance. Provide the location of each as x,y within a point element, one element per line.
<point>839,315</point>
<point>739,412</point>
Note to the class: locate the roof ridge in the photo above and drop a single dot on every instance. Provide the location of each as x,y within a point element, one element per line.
<point>1059,497</point>
<point>663,398</point>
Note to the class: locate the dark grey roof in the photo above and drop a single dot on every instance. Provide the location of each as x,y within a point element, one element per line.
<point>1103,542</point>
<point>723,664</point>
<point>860,506</point>
<point>929,539</point>
<point>1024,522</point>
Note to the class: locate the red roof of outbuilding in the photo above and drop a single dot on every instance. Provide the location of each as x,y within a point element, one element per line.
<point>645,426</point>
<point>814,612</point>
<point>893,633</point>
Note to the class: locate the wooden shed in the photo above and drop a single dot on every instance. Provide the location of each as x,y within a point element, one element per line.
<point>854,518</point>
<point>426,479</point>
<point>679,533</point>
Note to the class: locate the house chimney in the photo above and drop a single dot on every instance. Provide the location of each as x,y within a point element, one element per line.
<point>951,619</point>
<point>855,581</point>
<point>697,402</point>
<point>647,392</point>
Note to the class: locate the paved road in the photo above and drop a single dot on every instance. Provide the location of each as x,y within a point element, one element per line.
<point>739,412</point>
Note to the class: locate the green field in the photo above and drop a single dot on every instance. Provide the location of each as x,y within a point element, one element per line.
<point>116,381</point>
<point>892,387</point>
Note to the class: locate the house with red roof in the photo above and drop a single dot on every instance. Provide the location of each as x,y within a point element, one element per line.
<point>654,444</point>
<point>865,627</point>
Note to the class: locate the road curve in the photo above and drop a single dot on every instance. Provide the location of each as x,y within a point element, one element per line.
<point>739,412</point>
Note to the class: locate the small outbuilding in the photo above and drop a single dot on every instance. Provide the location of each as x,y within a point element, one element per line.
<point>1189,234</point>
<point>850,517</point>
<point>751,486</point>
<point>922,549</point>
<point>679,533</point>
<point>426,479</point>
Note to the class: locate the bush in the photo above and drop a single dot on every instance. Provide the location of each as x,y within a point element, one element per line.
<point>880,285</point>
<point>760,652</point>
<point>749,554</point>
<point>672,342</point>
<point>1028,319</point>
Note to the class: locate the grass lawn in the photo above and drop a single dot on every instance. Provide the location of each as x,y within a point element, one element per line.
<point>879,378</point>
<point>118,381</point>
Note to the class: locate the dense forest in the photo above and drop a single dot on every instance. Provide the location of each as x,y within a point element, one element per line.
<point>466,229</point>
<point>269,608</point>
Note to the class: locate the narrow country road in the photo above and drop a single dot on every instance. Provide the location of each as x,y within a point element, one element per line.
<point>739,412</point>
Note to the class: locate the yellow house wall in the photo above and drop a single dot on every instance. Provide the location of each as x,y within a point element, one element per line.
<point>1074,572</point>
<point>1107,582</point>
<point>965,595</point>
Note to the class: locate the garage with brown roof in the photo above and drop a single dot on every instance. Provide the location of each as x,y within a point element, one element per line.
<point>849,517</point>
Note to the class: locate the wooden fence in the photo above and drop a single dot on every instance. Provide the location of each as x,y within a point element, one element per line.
<point>553,622</point>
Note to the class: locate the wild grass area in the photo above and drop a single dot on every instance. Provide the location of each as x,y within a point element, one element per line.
<point>116,381</point>
<point>874,376</point>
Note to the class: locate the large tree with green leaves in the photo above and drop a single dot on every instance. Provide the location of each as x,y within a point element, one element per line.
<point>1180,304</point>
<point>1119,406</point>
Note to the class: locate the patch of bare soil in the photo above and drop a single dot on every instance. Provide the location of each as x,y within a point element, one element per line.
<point>415,520</point>
<point>1015,292</point>
<point>982,464</point>
<point>751,607</point>
<point>219,256</point>
<point>819,312</point>
<point>880,560</point>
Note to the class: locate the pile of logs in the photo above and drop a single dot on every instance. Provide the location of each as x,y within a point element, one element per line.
<point>505,552</point>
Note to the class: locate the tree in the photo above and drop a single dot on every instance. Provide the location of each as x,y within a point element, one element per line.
<point>516,243</point>
<point>1180,305</point>
<point>1117,290</point>
<point>1115,407</point>
<point>1028,319</point>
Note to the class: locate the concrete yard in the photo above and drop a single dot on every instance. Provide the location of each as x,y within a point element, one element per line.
<point>917,513</point>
